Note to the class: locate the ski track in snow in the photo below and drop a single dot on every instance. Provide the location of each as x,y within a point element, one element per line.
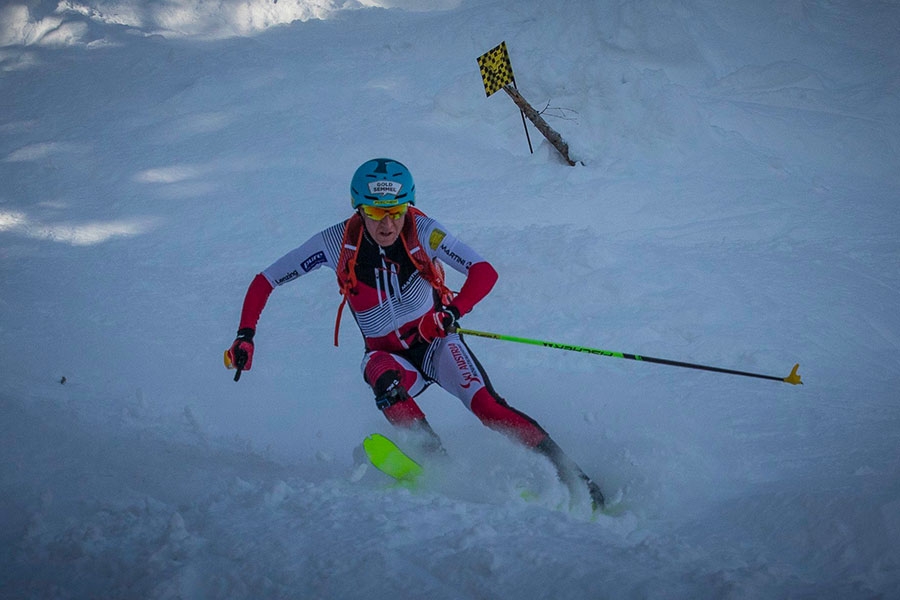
<point>736,206</point>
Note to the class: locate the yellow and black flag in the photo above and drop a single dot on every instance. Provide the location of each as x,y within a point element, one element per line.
<point>496,70</point>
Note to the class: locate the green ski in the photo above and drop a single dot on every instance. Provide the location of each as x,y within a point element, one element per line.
<point>389,459</point>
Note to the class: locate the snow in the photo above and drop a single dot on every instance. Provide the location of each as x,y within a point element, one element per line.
<point>736,206</point>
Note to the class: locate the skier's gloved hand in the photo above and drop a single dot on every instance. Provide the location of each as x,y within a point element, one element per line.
<point>451,324</point>
<point>437,323</point>
<point>240,355</point>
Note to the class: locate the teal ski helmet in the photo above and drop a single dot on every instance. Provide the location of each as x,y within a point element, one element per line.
<point>382,182</point>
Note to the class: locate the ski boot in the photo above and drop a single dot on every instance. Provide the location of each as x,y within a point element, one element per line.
<point>570,473</point>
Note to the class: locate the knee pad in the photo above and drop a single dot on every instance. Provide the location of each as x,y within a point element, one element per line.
<point>379,363</point>
<point>388,390</point>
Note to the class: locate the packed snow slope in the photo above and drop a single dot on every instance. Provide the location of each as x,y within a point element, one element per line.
<point>736,205</point>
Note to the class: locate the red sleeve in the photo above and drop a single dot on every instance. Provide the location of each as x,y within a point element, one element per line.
<point>255,301</point>
<point>478,284</point>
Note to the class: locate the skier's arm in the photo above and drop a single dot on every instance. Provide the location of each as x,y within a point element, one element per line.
<point>307,257</point>
<point>479,282</point>
<point>240,355</point>
<point>480,274</point>
<point>255,301</point>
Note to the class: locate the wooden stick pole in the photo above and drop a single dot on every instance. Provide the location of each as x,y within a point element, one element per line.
<point>534,116</point>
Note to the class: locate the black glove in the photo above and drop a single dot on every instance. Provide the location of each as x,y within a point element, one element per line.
<point>451,319</point>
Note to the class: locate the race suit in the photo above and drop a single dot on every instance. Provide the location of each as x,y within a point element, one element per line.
<point>390,298</point>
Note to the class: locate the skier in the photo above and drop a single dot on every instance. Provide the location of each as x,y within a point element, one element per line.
<point>387,261</point>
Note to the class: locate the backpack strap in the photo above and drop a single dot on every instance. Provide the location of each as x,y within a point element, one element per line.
<point>431,270</point>
<point>346,267</point>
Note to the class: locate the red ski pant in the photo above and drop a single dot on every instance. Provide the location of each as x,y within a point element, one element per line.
<point>449,363</point>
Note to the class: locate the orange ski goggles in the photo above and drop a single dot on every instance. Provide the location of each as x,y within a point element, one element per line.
<point>377,213</point>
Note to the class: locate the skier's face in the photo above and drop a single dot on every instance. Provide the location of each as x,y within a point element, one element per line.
<point>386,231</point>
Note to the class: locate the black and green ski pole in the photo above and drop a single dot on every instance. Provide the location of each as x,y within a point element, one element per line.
<point>793,378</point>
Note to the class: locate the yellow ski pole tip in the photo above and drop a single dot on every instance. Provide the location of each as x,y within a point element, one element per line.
<point>794,377</point>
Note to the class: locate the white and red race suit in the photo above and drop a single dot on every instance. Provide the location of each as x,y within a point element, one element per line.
<point>390,298</point>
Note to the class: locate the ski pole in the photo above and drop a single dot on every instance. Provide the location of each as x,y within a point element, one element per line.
<point>241,361</point>
<point>793,378</point>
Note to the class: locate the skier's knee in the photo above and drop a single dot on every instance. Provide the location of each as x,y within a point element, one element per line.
<point>378,364</point>
<point>381,368</point>
<point>394,401</point>
<point>388,390</point>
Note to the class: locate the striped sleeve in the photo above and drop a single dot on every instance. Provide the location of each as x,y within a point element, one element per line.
<point>322,249</point>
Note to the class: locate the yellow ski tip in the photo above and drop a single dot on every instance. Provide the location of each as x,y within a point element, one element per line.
<point>794,377</point>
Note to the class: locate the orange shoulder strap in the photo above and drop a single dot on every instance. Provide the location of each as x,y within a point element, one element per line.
<point>346,267</point>
<point>431,270</point>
